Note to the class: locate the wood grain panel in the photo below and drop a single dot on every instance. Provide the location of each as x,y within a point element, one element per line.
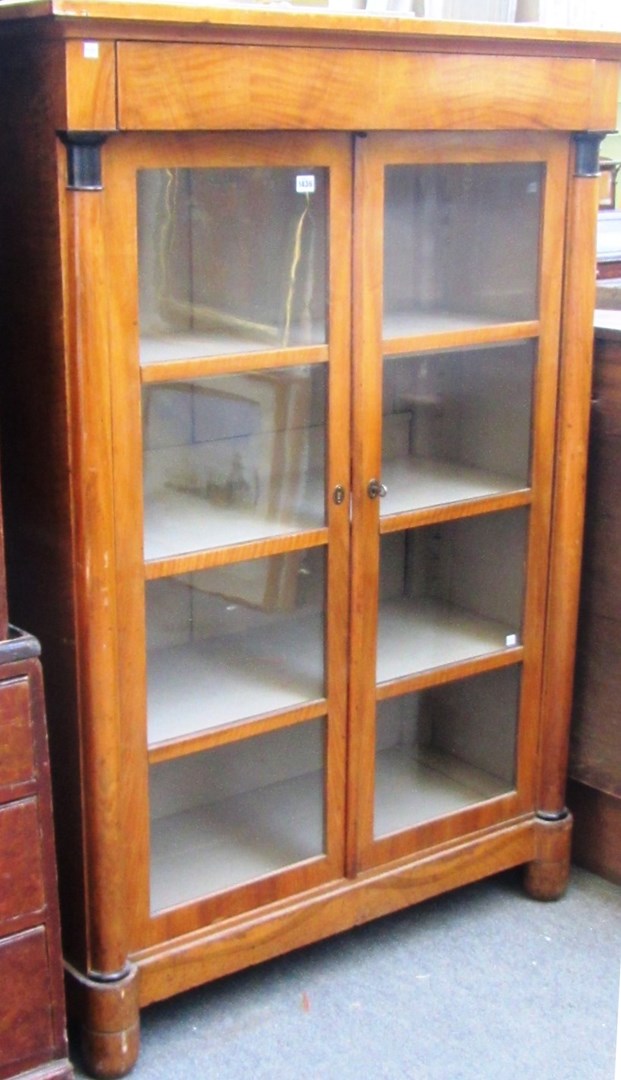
<point>179,87</point>
<point>26,1024</point>
<point>594,793</point>
<point>16,751</point>
<point>606,417</point>
<point>91,86</point>
<point>597,830</point>
<point>596,735</point>
<point>21,871</point>
<point>601,578</point>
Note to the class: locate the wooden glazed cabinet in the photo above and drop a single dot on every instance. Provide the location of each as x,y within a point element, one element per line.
<point>302,672</point>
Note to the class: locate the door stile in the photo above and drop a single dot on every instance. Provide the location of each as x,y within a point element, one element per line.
<point>338,495</point>
<point>127,456</point>
<point>570,479</point>
<point>366,463</point>
<point>552,244</point>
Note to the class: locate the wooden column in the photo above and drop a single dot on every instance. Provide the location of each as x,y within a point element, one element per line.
<point>547,875</point>
<point>107,991</point>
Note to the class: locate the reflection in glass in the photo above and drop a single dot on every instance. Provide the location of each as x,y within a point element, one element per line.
<point>461,245</point>
<point>230,260</point>
<point>441,750</point>
<point>236,813</point>
<point>456,425</point>
<point>450,592</point>
<point>233,458</point>
<point>233,642</point>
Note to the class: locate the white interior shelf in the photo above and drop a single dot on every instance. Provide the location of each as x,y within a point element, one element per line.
<point>240,838</point>
<point>187,345</point>
<point>180,523</point>
<point>416,786</point>
<point>421,323</point>
<point>418,635</point>
<point>196,687</point>
<point>415,483</point>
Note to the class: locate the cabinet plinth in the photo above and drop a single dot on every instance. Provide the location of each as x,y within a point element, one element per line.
<point>300,382</point>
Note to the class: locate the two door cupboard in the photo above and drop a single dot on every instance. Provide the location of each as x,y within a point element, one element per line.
<point>297,354</point>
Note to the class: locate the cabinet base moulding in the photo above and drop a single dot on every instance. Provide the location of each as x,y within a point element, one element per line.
<point>109,1011</point>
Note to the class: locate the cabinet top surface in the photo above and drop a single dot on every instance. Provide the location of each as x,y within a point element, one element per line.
<point>411,29</point>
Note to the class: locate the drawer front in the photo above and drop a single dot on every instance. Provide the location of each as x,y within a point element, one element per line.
<point>26,1021</point>
<point>189,87</point>
<point>21,870</point>
<point>16,754</point>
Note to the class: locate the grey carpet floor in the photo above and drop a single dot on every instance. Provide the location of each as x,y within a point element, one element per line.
<point>480,984</point>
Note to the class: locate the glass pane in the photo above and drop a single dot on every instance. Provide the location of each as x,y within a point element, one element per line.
<point>230,260</point>
<point>456,425</point>
<point>233,642</point>
<point>450,592</point>
<point>233,458</point>
<point>461,245</point>
<point>236,813</point>
<point>441,750</point>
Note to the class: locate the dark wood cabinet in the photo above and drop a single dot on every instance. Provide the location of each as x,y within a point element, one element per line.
<point>595,763</point>
<point>32,1004</point>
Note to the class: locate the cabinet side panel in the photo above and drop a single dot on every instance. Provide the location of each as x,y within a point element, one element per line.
<point>33,424</point>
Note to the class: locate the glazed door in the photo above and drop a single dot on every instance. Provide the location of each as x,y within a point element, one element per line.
<point>232,358</point>
<point>458,256</point>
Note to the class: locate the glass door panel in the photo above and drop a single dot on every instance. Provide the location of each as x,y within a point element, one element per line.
<point>445,748</point>
<point>456,425</point>
<point>236,813</point>
<point>233,458</point>
<point>455,390</point>
<point>235,558</point>
<point>231,260</point>
<point>450,592</point>
<point>234,641</point>
<point>461,245</point>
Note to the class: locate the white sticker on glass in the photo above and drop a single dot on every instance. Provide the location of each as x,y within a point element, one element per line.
<point>305,185</point>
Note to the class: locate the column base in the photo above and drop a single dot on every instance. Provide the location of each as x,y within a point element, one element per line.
<point>109,1021</point>
<point>547,876</point>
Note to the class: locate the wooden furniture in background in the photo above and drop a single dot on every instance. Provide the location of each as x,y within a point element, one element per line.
<point>595,764</point>
<point>609,171</point>
<point>301,673</point>
<point>32,1002</point>
<point>608,248</point>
